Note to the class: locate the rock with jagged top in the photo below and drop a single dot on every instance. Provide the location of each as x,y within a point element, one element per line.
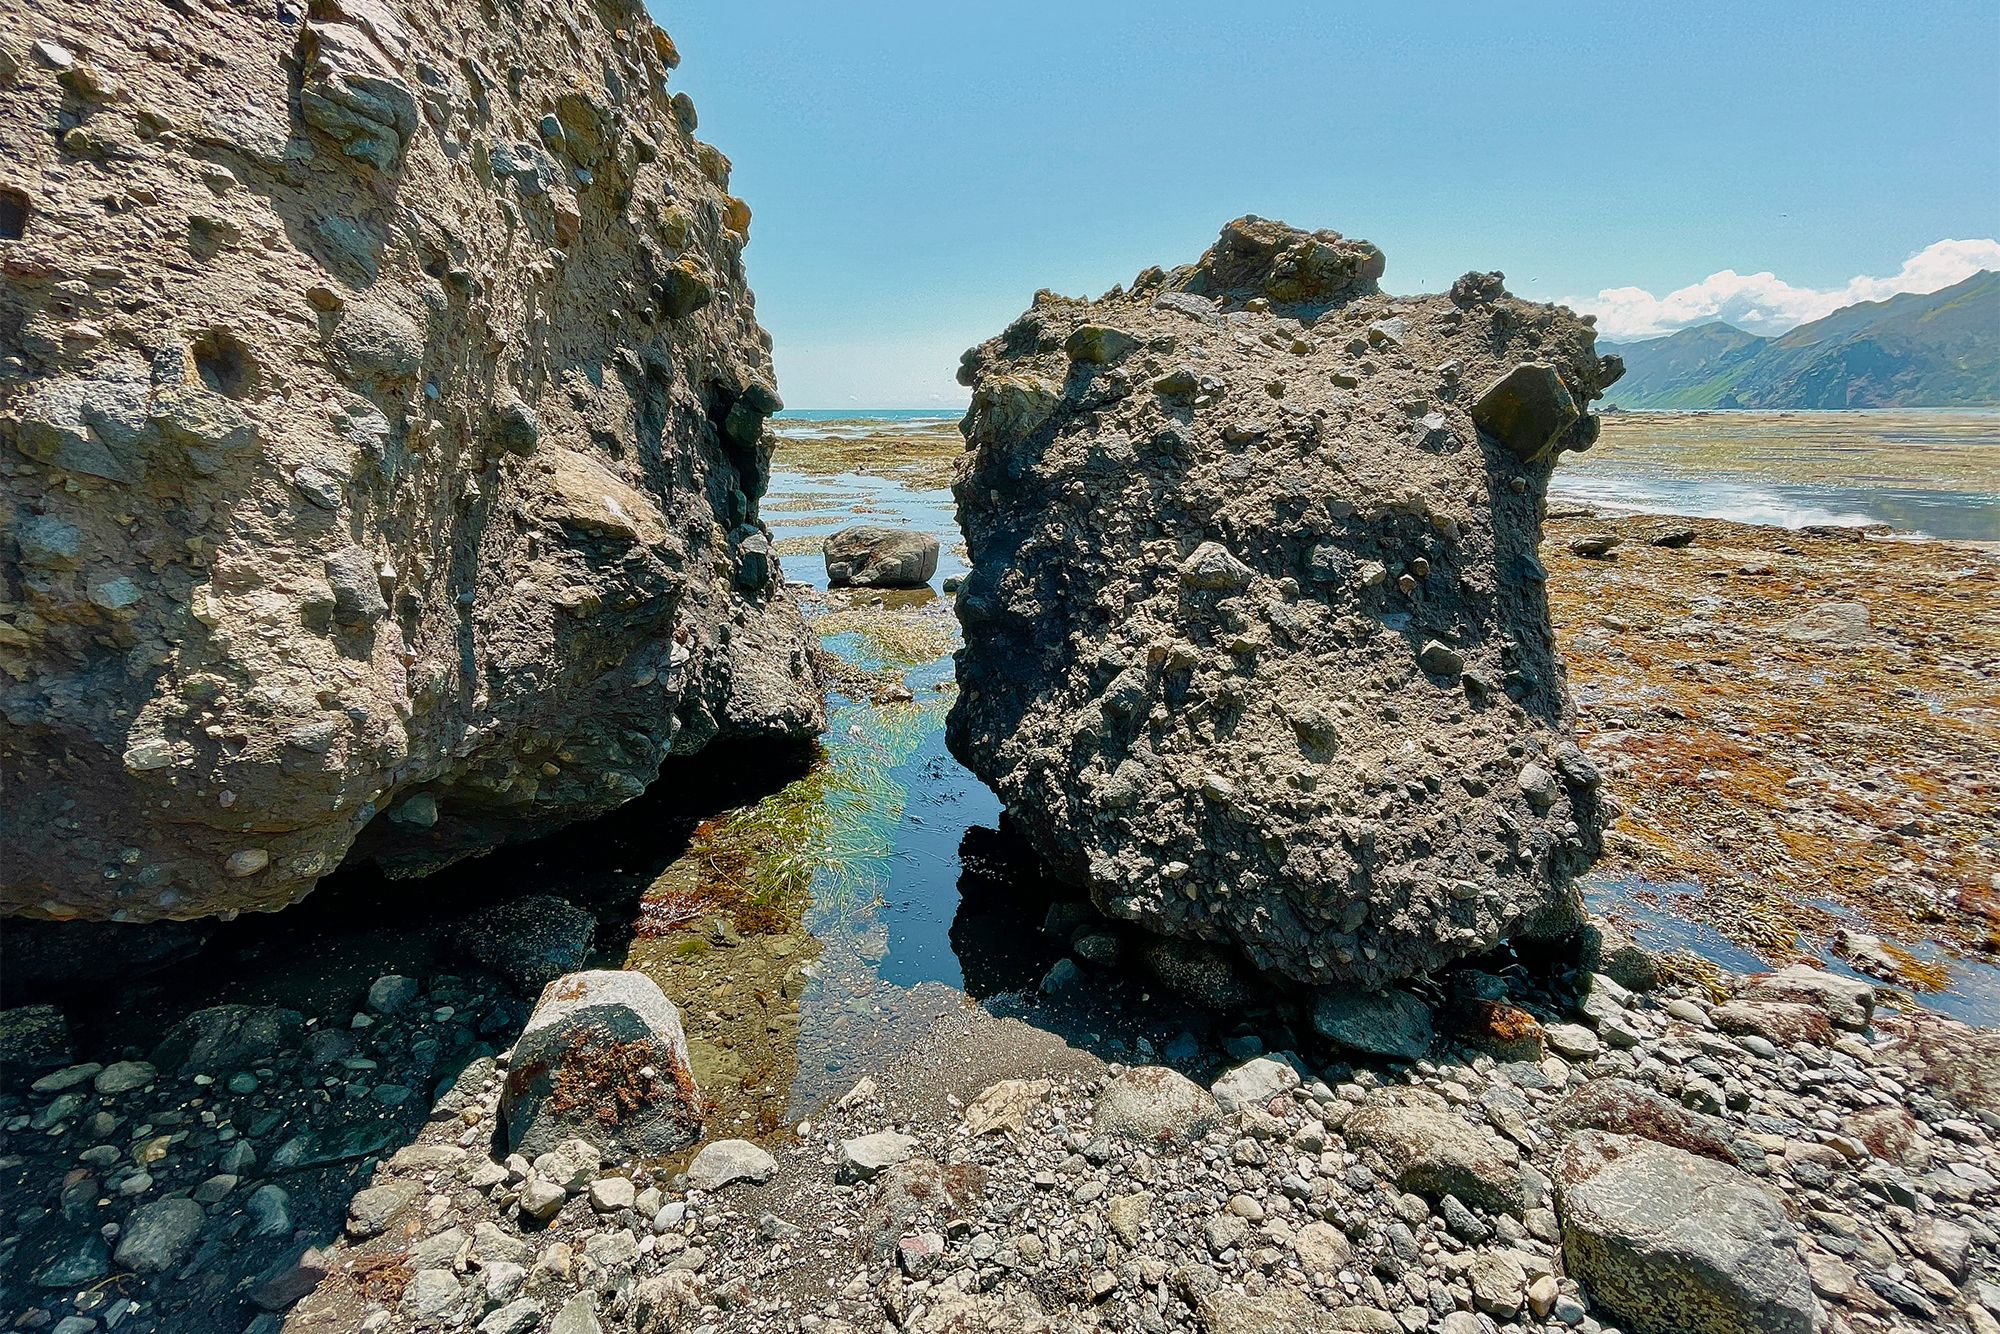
<point>1256,643</point>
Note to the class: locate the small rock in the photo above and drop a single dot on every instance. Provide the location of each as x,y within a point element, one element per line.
<point>1573,1040</point>
<point>1154,1104</point>
<point>619,1039</point>
<point>578,1316</point>
<point>290,1277</point>
<point>610,1194</point>
<point>158,1235</point>
<point>730,1160</point>
<point>920,1253</point>
<point>531,940</point>
<point>1253,1084</point>
<point>1526,410</point>
<point>431,1294</point>
<point>124,1076</point>
<point>868,556</point>
<point>1593,546</point>
<point>541,1199</point>
<point>269,1208</point>
<point>391,994</point>
<point>1666,1240</point>
<point>1390,1023</point>
<point>867,1156</point>
<point>571,1165</point>
<point>1127,1214</point>
<point>371,1211</point>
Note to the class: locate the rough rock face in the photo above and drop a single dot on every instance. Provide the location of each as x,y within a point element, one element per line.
<point>381,433</point>
<point>1256,642</point>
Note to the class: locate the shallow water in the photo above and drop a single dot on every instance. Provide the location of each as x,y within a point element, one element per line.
<point>1930,472</point>
<point>1668,916</point>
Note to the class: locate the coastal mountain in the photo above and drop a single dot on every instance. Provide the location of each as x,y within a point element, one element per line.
<point>1932,350</point>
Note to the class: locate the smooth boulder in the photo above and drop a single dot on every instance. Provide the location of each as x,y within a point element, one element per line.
<point>868,556</point>
<point>1435,1154</point>
<point>1157,1105</point>
<point>1670,1243</point>
<point>603,1059</point>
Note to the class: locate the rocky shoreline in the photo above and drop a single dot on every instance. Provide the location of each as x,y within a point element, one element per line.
<point>1571,1154</point>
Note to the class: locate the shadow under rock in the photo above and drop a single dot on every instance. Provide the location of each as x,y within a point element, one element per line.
<point>273,1094</point>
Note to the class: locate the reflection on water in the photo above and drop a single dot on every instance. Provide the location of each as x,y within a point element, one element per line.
<point>1933,472</point>
<point>877,833</point>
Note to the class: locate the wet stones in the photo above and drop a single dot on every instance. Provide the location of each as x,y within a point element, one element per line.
<point>1254,649</point>
<point>865,556</point>
<point>531,940</point>
<point>158,1236</point>
<point>1389,1023</point>
<point>225,1038</point>
<point>602,1059</point>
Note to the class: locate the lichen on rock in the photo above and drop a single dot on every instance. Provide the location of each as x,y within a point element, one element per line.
<point>1256,642</point>
<point>381,429</point>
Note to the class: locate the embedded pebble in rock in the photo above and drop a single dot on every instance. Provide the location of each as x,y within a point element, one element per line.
<point>1204,573</point>
<point>328,525</point>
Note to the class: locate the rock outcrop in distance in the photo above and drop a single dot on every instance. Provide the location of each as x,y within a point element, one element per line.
<point>1256,642</point>
<point>381,438</point>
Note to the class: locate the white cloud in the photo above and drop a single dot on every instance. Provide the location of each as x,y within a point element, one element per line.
<point>1765,304</point>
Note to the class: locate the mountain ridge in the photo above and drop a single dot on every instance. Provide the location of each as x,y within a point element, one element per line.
<point>1915,350</point>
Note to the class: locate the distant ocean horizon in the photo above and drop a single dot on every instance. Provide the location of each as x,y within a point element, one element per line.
<point>869,414</point>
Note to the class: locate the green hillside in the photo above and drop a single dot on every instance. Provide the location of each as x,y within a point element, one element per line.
<point>1936,350</point>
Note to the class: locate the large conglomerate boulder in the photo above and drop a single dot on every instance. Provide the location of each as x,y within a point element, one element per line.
<point>381,436</point>
<point>1256,641</point>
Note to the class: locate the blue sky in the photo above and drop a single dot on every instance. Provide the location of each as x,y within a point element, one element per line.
<point>917,171</point>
